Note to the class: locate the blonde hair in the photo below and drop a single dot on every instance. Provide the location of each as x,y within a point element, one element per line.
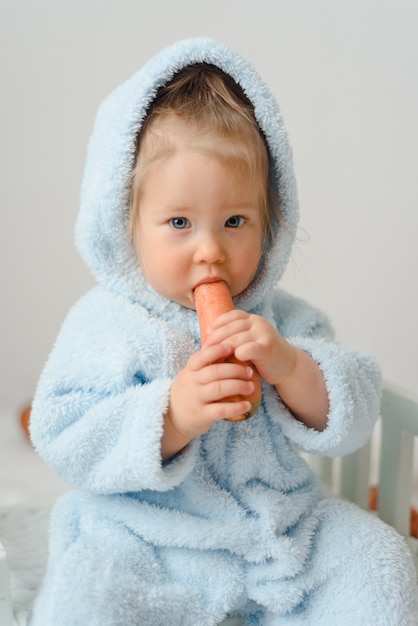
<point>210,103</point>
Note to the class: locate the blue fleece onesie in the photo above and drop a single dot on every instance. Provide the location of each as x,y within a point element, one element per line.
<point>235,524</point>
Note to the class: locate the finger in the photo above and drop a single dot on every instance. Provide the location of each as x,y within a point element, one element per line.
<point>229,410</point>
<point>232,314</point>
<point>223,371</point>
<point>234,333</point>
<point>209,355</point>
<point>229,317</point>
<point>223,389</point>
<point>250,351</point>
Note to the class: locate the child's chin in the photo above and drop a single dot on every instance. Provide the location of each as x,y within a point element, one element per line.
<point>188,303</point>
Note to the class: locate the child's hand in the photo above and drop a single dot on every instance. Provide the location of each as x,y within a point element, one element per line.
<point>254,339</point>
<point>297,377</point>
<point>198,394</point>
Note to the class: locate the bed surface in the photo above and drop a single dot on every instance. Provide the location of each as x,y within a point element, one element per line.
<point>27,490</point>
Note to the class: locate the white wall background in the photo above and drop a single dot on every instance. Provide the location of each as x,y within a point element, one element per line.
<point>346,77</point>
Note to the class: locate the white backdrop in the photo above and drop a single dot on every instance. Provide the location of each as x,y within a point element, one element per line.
<point>345,75</point>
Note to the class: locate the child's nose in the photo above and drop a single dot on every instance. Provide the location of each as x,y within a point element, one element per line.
<point>209,249</point>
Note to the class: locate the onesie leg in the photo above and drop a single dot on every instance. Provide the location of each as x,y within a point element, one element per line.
<point>360,573</point>
<point>100,573</point>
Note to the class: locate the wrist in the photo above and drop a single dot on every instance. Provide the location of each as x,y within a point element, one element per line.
<point>304,391</point>
<point>172,440</point>
<point>289,364</point>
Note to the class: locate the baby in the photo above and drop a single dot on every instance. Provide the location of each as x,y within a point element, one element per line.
<point>181,517</point>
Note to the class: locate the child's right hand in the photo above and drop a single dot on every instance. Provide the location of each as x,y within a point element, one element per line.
<point>198,393</point>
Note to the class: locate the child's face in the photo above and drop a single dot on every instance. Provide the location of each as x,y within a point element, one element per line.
<point>199,220</point>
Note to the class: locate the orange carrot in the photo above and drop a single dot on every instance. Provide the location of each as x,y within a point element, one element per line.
<point>211,300</point>
<point>24,420</point>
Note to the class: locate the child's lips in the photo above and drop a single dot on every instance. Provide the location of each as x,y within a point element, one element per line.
<point>207,279</point>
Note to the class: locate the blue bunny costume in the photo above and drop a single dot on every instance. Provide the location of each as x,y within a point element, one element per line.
<point>236,523</point>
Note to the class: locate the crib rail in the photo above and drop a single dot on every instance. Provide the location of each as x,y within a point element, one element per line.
<point>349,476</point>
<point>399,428</point>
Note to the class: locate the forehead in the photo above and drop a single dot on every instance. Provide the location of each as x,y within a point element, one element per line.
<point>169,134</point>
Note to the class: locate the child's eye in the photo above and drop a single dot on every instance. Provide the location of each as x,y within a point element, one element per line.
<point>235,221</point>
<point>180,222</point>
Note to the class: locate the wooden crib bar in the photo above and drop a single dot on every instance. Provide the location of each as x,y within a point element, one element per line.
<point>399,411</point>
<point>399,415</point>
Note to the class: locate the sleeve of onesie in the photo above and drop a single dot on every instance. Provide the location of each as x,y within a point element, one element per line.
<point>353,382</point>
<point>98,412</point>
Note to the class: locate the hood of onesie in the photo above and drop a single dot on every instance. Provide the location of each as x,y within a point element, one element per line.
<point>101,229</point>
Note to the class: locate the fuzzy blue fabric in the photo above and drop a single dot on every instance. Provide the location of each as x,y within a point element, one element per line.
<point>237,523</point>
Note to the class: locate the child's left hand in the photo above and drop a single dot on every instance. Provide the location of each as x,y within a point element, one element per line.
<point>297,377</point>
<point>254,339</point>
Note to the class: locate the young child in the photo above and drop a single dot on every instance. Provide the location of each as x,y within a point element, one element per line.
<point>179,516</point>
